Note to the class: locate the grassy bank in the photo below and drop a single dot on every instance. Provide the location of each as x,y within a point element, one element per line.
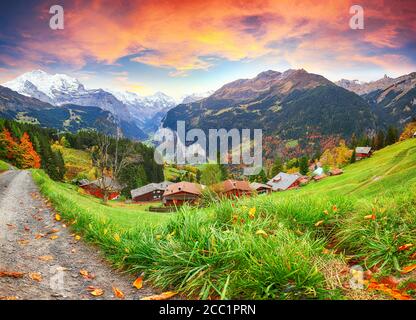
<point>3,166</point>
<point>288,245</point>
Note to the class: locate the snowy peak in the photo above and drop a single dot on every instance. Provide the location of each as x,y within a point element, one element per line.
<point>39,83</point>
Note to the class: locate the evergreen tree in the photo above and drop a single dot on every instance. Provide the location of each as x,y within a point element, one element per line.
<point>380,140</point>
<point>353,156</point>
<point>277,167</point>
<point>392,135</point>
<point>303,166</point>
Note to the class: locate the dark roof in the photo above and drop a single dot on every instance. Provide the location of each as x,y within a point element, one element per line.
<point>149,188</point>
<point>107,182</point>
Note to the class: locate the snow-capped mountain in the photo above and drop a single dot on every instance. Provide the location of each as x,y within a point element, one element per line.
<point>193,97</point>
<point>133,112</point>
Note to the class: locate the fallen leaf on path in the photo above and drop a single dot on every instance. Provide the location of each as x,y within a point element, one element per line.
<point>23,242</point>
<point>118,293</point>
<point>53,237</point>
<point>408,268</point>
<point>52,231</point>
<point>45,258</point>
<point>138,283</point>
<point>77,237</point>
<point>95,291</point>
<point>27,228</point>
<point>39,235</point>
<point>162,296</point>
<point>11,274</point>
<point>86,275</point>
<point>58,217</point>
<point>35,276</point>
<point>11,226</point>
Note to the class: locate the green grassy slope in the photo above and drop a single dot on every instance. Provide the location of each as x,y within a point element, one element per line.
<point>3,166</point>
<point>66,198</point>
<point>287,245</point>
<point>388,169</point>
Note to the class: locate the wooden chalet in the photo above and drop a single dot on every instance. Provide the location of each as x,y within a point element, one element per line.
<point>260,187</point>
<point>233,188</point>
<point>96,187</point>
<point>284,181</point>
<point>177,194</point>
<point>363,152</point>
<point>150,192</point>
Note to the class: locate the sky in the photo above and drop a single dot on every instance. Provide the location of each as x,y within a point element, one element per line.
<point>186,46</point>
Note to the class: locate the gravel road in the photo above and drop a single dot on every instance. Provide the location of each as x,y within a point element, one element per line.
<point>24,218</point>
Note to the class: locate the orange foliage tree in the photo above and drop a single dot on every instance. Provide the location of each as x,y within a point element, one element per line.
<point>28,157</point>
<point>22,154</point>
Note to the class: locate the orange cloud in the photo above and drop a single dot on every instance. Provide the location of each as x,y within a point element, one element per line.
<point>180,35</point>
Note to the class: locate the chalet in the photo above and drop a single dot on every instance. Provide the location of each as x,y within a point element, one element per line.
<point>363,152</point>
<point>260,187</point>
<point>303,180</point>
<point>284,181</point>
<point>96,187</point>
<point>179,193</point>
<point>336,172</point>
<point>319,177</point>
<point>150,192</point>
<point>233,188</point>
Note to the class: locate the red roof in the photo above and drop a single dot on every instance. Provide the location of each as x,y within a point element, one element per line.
<point>187,187</point>
<point>229,185</point>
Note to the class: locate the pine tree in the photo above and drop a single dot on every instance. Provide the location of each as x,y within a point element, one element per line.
<point>353,157</point>
<point>277,167</point>
<point>303,166</point>
<point>391,136</point>
<point>380,140</point>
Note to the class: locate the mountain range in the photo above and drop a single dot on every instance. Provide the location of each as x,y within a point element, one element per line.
<point>299,105</point>
<point>290,105</point>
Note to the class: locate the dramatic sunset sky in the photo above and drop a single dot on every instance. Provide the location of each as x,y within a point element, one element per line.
<point>183,46</point>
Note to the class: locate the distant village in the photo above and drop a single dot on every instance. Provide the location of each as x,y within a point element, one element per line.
<point>172,195</point>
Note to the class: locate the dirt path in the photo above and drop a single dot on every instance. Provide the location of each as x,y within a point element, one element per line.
<point>24,216</point>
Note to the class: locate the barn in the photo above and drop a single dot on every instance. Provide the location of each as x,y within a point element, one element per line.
<point>150,192</point>
<point>284,181</point>
<point>260,187</point>
<point>363,152</point>
<point>179,193</point>
<point>336,172</point>
<point>96,187</point>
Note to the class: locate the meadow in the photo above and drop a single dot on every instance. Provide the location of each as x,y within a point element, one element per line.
<point>290,245</point>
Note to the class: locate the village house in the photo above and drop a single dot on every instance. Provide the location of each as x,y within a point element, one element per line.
<point>318,171</point>
<point>96,188</point>
<point>179,193</point>
<point>284,181</point>
<point>363,152</point>
<point>319,177</point>
<point>260,187</point>
<point>150,192</point>
<point>233,188</point>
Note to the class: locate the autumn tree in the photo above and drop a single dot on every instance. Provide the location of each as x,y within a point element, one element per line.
<point>111,156</point>
<point>408,131</point>
<point>28,157</point>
